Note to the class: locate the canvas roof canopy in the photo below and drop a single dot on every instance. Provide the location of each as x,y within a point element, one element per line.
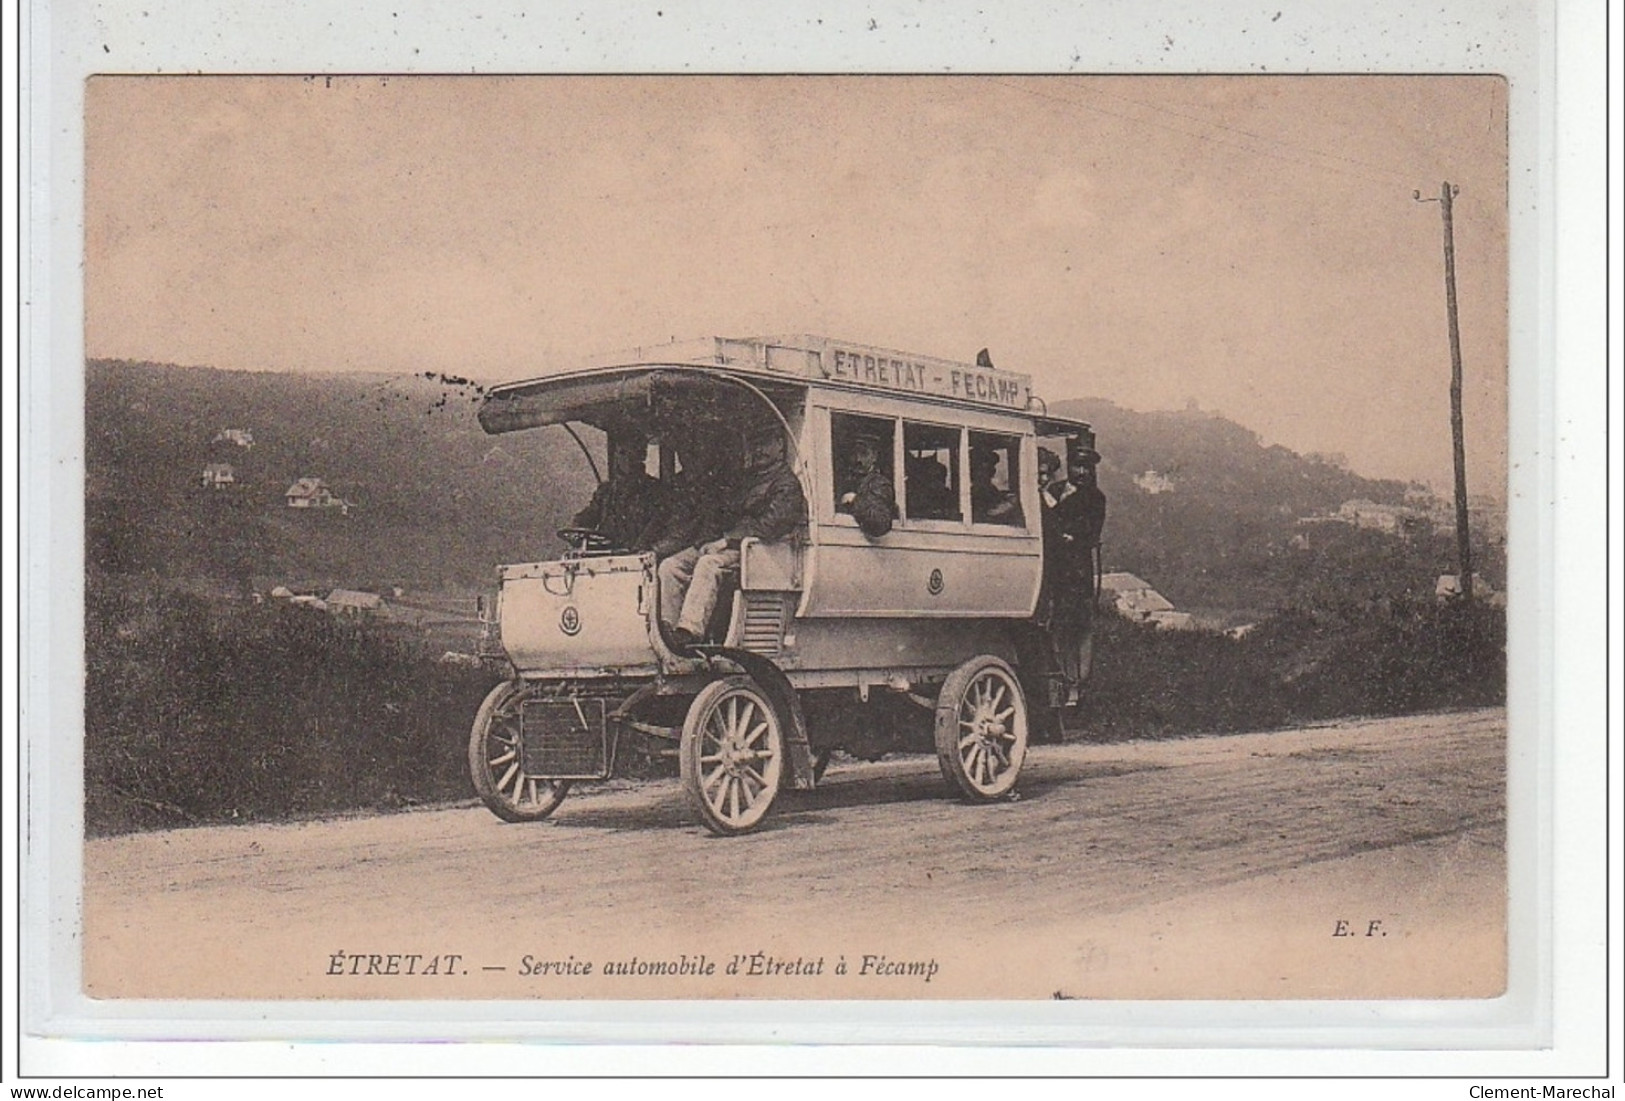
<point>638,396</point>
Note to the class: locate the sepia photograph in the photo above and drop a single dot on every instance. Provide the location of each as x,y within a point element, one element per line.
<point>896,537</point>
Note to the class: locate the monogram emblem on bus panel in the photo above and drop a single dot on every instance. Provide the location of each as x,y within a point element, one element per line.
<point>570,620</point>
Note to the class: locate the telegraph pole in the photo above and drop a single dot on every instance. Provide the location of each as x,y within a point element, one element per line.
<point>1464,547</point>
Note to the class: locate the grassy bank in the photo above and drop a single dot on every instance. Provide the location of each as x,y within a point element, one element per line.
<point>197,711</point>
<point>1385,657</point>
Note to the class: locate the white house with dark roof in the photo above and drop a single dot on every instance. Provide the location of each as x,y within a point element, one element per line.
<point>309,493</point>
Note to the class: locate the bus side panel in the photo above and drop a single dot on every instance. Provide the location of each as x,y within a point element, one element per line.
<point>920,574</point>
<point>826,651</point>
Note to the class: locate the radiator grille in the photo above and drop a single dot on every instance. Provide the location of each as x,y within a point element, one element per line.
<point>564,739</point>
<point>763,628</point>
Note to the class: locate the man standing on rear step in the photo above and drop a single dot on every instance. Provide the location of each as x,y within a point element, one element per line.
<point>771,507</point>
<point>1074,516</point>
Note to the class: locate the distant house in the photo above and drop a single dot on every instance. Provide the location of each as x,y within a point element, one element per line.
<point>349,602</point>
<point>218,476</point>
<point>1154,483</point>
<point>1368,514</point>
<point>1402,520</point>
<point>242,437</point>
<point>313,493</point>
<point>1390,519</point>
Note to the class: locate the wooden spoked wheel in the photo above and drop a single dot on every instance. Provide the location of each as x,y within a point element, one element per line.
<point>981,729</point>
<point>731,755</point>
<point>494,761</point>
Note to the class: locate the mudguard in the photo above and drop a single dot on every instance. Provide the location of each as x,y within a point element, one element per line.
<point>784,697</point>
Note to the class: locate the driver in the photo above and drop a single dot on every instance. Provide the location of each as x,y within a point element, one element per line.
<point>770,507</point>
<point>627,501</point>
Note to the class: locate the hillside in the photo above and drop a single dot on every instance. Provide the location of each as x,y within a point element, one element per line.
<point>1218,525</point>
<point>436,503</point>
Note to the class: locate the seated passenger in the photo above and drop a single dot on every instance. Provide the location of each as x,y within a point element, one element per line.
<point>871,501</point>
<point>988,503</point>
<point>624,503</point>
<point>691,504</point>
<point>770,507</point>
<point>930,497</point>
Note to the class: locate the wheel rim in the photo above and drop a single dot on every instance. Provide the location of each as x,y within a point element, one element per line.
<point>992,732</point>
<point>740,759</point>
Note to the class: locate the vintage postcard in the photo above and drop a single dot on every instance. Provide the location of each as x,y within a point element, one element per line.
<point>872,538</point>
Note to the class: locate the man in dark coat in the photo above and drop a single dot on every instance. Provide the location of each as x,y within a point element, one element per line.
<point>625,502</point>
<point>697,505</point>
<point>1074,516</point>
<point>770,507</point>
<point>871,501</point>
<point>930,497</point>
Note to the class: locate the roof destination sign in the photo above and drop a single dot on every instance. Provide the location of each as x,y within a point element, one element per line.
<point>919,375</point>
<point>887,369</point>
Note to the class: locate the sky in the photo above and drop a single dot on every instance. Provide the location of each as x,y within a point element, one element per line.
<point>1249,244</point>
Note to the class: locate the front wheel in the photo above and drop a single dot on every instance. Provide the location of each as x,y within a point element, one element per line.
<point>981,729</point>
<point>494,761</point>
<point>731,755</point>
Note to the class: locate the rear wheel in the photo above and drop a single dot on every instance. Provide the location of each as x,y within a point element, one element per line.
<point>981,729</point>
<point>732,755</point>
<point>494,761</point>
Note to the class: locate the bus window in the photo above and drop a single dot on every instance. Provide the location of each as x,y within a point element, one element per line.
<point>995,479</point>
<point>931,458</point>
<point>857,446</point>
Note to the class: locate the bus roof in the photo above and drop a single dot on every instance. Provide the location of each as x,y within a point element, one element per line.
<point>815,359</point>
<point>594,387</point>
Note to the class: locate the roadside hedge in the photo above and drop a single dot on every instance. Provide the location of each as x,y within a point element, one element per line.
<point>199,711</point>
<point>202,710</point>
<point>1383,657</point>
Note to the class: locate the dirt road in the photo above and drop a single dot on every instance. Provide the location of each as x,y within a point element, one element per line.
<point>1363,859</point>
